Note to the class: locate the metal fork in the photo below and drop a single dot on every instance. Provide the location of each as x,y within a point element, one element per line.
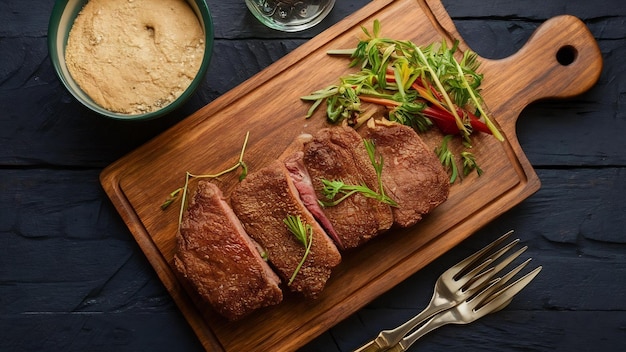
<point>491,299</point>
<point>453,287</point>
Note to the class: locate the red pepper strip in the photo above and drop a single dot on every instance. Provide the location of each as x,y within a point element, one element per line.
<point>443,119</point>
<point>434,97</point>
<point>477,125</point>
<point>447,124</point>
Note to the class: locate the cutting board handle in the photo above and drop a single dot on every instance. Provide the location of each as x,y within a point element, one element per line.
<point>560,60</point>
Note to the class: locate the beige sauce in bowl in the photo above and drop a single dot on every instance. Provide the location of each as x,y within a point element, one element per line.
<point>135,56</point>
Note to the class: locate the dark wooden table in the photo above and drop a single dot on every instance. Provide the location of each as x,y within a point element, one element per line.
<point>72,277</point>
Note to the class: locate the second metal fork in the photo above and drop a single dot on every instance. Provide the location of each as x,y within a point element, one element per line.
<point>491,299</point>
<point>454,286</point>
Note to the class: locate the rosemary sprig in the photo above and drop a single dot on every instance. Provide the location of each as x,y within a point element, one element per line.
<point>370,147</point>
<point>182,192</point>
<point>333,188</point>
<point>304,233</point>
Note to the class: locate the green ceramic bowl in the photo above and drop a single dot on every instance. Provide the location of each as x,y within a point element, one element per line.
<point>61,21</point>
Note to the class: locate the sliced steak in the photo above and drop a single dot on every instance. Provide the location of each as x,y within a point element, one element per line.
<point>412,174</point>
<point>294,163</point>
<point>338,153</point>
<point>262,201</point>
<point>219,260</point>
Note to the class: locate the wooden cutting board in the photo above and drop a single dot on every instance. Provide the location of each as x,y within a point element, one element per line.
<point>560,60</point>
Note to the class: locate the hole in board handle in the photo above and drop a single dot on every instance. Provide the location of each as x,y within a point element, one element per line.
<point>566,55</point>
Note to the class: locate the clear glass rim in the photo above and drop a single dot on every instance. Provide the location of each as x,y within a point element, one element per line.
<point>285,27</point>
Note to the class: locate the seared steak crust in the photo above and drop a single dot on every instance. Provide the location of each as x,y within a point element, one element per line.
<point>301,179</point>
<point>262,201</point>
<point>338,153</point>
<point>223,264</point>
<point>412,175</point>
<point>219,260</point>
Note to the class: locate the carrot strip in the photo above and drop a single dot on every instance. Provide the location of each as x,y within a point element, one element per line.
<point>380,101</point>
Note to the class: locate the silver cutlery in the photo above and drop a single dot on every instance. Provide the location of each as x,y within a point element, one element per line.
<point>463,293</point>
<point>472,309</point>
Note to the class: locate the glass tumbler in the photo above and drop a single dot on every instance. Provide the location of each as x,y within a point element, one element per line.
<point>290,15</point>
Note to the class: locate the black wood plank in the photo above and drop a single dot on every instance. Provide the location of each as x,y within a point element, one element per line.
<point>71,258</point>
<point>97,332</point>
<point>509,330</point>
<point>535,10</point>
<point>71,276</point>
<point>233,20</point>
<point>574,227</point>
<point>58,131</point>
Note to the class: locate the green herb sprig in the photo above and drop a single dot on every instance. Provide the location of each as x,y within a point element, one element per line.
<point>469,164</point>
<point>183,192</point>
<point>447,159</point>
<point>378,163</point>
<point>304,233</point>
<point>331,189</point>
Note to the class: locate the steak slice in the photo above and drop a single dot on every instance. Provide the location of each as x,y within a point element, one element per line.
<point>219,260</point>
<point>262,201</point>
<point>412,174</point>
<point>293,159</point>
<point>338,153</point>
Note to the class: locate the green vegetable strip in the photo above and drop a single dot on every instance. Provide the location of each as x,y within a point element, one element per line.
<point>419,86</point>
<point>459,122</point>
<point>496,133</point>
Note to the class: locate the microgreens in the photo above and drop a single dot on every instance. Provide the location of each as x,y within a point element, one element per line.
<point>421,87</point>
<point>469,164</point>
<point>447,158</point>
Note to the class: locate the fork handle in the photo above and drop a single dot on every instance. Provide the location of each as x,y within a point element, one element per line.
<point>434,323</point>
<point>388,338</point>
<point>371,346</point>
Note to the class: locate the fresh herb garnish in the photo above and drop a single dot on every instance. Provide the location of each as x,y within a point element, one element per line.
<point>447,158</point>
<point>469,164</point>
<point>421,87</point>
<point>304,233</point>
<point>377,163</point>
<point>174,195</point>
<point>333,188</point>
<point>171,198</point>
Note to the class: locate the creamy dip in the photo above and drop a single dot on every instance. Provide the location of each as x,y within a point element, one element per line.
<point>135,56</point>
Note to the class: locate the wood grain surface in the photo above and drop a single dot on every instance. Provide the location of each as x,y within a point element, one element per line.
<point>268,106</point>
